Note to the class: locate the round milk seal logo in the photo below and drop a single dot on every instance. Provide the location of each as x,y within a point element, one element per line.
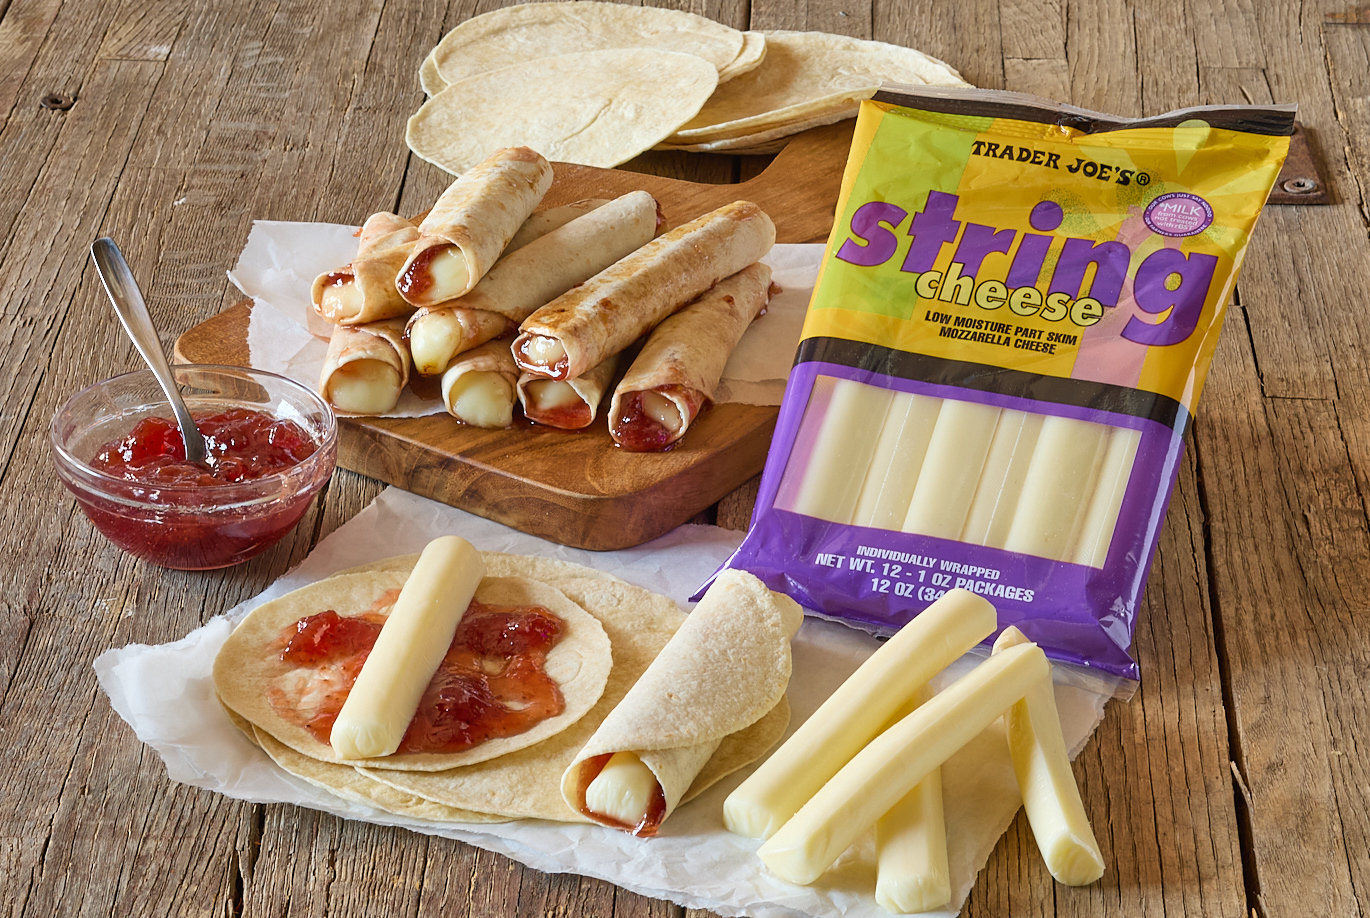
<point>1178,213</point>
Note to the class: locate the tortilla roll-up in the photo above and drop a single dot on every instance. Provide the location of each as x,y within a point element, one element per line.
<point>677,370</point>
<point>364,291</point>
<point>546,267</point>
<point>912,873</point>
<point>570,404</point>
<point>480,388</point>
<point>726,668</point>
<point>618,305</point>
<point>857,711</point>
<point>437,334</point>
<point>366,367</point>
<point>544,221</point>
<point>1051,797</point>
<point>894,762</point>
<point>471,224</point>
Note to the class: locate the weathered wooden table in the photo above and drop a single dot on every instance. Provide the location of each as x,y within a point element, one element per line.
<point>1233,784</point>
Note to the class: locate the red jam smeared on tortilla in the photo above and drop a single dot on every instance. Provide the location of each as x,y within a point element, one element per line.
<point>243,445</point>
<point>636,430</point>
<point>656,810</point>
<point>417,277</point>
<point>492,683</point>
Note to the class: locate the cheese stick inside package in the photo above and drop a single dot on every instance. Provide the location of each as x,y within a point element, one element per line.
<point>725,669</point>
<point>471,225</point>
<point>674,376</point>
<point>602,316</point>
<point>1011,326</point>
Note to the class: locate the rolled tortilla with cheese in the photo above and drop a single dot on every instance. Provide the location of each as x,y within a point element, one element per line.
<point>471,224</point>
<point>615,307</point>
<point>571,404</point>
<point>480,388</point>
<point>437,334</point>
<point>364,291</point>
<point>366,367</point>
<point>727,666</point>
<point>676,371</point>
<point>544,221</point>
<point>548,266</point>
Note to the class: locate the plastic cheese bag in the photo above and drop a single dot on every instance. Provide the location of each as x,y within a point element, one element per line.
<point>1014,316</point>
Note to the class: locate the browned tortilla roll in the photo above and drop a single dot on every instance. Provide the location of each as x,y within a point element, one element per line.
<point>544,221</point>
<point>364,291</point>
<point>437,334</point>
<point>480,388</point>
<point>615,307</point>
<point>725,669</point>
<point>548,266</point>
<point>571,404</point>
<point>366,367</point>
<point>471,224</point>
<point>676,371</point>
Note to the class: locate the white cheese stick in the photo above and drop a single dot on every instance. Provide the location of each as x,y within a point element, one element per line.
<point>1101,513</point>
<point>1001,481</point>
<point>912,873</point>
<point>623,790</point>
<point>899,452</point>
<point>894,762</point>
<point>479,387</point>
<point>857,711</point>
<point>956,454</point>
<point>842,451</point>
<point>1050,795</point>
<point>414,639</point>
<point>1065,464</point>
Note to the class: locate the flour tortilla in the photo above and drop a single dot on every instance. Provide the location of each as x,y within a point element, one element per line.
<point>608,312</point>
<point>249,662</point>
<point>723,671</point>
<point>382,247</point>
<point>527,783</point>
<point>805,75</point>
<point>684,357</point>
<point>533,31</point>
<point>366,367</point>
<point>597,108</point>
<point>493,362</point>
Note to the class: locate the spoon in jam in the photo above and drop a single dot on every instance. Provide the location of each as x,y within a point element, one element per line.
<point>133,315</point>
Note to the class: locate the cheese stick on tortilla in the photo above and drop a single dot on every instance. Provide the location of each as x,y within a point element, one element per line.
<point>437,334</point>
<point>615,307</point>
<point>676,371</point>
<point>548,266</point>
<point>366,367</point>
<point>364,291</point>
<point>480,387</point>
<point>571,404</point>
<point>471,224</point>
<point>726,667</point>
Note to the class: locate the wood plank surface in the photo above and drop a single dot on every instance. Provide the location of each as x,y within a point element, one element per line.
<point>1233,784</point>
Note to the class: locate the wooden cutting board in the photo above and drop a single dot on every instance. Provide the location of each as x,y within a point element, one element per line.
<point>578,488</point>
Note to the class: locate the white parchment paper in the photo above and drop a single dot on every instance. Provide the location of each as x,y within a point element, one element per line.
<point>278,265</point>
<point>166,695</point>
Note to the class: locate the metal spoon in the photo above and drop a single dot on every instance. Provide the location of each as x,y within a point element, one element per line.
<point>133,315</point>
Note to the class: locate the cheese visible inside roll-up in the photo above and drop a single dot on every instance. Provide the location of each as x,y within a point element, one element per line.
<point>724,670</point>
<point>437,334</point>
<point>366,367</point>
<point>571,404</point>
<point>546,267</point>
<point>415,637</point>
<point>677,370</point>
<point>364,291</point>
<point>479,388</point>
<point>471,224</point>
<point>615,307</point>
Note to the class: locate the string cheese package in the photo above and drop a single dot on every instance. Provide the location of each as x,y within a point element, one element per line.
<point>1010,329</point>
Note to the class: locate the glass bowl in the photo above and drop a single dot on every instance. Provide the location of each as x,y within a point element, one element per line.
<point>192,525</point>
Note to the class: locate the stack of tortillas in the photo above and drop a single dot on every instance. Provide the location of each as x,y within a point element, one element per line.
<point>599,83</point>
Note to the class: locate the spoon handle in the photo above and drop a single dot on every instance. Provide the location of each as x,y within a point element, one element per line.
<point>133,315</point>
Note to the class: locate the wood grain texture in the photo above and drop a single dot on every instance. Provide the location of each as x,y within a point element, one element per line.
<point>1233,784</point>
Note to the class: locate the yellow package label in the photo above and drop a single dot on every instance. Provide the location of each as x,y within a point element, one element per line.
<point>1107,256</point>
